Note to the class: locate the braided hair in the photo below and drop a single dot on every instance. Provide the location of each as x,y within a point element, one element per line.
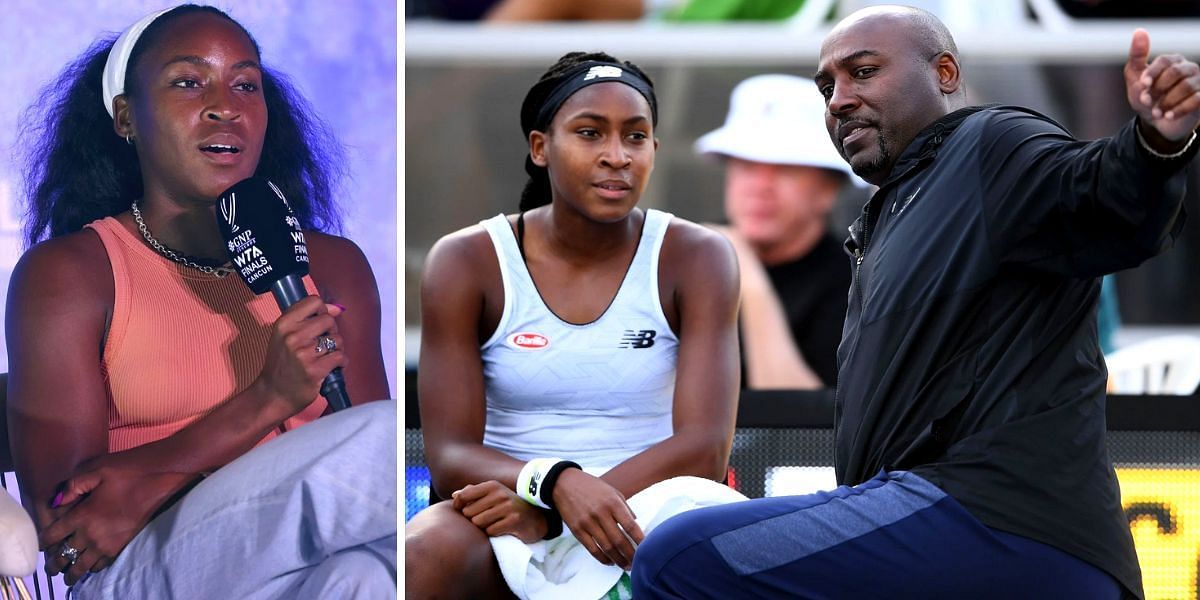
<point>537,189</point>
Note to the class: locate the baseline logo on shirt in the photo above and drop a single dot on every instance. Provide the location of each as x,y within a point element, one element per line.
<point>528,341</point>
<point>638,338</point>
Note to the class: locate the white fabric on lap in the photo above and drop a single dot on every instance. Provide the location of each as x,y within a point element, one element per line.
<point>18,539</point>
<point>563,568</point>
<point>265,524</point>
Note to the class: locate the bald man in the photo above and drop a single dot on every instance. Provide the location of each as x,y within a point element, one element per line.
<point>970,436</point>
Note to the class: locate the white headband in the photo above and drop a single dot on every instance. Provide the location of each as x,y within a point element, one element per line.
<point>118,59</point>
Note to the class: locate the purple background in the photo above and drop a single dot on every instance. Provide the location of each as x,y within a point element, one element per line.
<point>341,55</point>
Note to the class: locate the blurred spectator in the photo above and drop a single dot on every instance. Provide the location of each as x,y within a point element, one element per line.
<point>782,176</point>
<point>565,10</point>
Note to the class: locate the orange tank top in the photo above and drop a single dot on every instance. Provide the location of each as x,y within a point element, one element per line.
<point>180,343</point>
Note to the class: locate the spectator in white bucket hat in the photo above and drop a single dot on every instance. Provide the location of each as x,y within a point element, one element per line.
<point>782,177</point>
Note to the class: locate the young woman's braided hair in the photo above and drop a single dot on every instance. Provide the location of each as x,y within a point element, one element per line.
<point>537,189</point>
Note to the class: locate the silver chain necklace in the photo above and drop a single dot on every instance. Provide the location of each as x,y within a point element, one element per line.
<point>221,271</point>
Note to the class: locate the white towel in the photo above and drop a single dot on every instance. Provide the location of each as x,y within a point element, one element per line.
<point>563,568</point>
<point>18,539</point>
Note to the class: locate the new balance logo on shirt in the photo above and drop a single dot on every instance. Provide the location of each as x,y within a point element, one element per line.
<point>638,338</point>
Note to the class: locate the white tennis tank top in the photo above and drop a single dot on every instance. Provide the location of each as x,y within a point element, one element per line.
<point>596,393</point>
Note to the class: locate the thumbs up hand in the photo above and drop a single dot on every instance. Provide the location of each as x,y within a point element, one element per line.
<point>1164,92</point>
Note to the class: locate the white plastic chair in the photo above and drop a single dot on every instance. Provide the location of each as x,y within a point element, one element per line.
<point>1168,365</point>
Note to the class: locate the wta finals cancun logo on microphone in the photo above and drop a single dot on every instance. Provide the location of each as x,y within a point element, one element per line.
<point>244,245</point>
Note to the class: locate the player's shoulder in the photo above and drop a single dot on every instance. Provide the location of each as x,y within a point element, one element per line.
<point>462,261</point>
<point>77,259</point>
<point>464,248</point>
<point>686,237</point>
<point>336,247</point>
<point>339,267</point>
<point>65,275</point>
<point>698,253</point>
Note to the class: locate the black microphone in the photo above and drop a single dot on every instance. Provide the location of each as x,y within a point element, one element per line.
<point>267,248</point>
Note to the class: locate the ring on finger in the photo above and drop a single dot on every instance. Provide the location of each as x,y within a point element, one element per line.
<point>68,552</point>
<point>325,344</point>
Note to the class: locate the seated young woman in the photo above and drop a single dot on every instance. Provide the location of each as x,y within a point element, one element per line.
<point>572,355</point>
<point>164,419</point>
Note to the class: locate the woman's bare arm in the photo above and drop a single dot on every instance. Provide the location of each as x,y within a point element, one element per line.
<point>450,376</point>
<point>344,277</point>
<point>59,299</point>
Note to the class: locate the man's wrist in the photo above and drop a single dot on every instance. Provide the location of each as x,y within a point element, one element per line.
<point>1158,146</point>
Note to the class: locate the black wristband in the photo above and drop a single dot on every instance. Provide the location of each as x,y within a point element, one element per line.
<point>554,525</point>
<point>551,478</point>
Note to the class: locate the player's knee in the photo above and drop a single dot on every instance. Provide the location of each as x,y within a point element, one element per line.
<point>441,550</point>
<point>435,541</point>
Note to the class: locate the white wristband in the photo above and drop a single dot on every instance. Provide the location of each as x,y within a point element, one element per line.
<point>529,482</point>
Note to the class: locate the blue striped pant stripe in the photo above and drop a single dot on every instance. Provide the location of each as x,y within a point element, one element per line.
<point>846,514</point>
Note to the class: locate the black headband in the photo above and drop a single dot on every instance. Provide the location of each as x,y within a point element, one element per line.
<point>586,74</point>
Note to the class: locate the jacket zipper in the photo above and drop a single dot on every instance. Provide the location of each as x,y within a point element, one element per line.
<point>859,254</point>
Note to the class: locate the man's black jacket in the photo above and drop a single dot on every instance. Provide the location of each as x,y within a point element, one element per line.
<point>970,353</point>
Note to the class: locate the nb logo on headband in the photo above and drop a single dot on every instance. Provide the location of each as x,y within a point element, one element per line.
<point>603,71</point>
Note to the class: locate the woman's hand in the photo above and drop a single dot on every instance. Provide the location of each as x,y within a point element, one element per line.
<point>294,367</point>
<point>498,511</point>
<point>107,505</point>
<point>598,516</point>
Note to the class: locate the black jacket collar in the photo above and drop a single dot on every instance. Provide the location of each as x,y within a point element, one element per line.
<point>927,141</point>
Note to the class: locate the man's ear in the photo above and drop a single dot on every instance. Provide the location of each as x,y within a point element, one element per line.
<point>537,148</point>
<point>948,73</point>
<point>122,117</point>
